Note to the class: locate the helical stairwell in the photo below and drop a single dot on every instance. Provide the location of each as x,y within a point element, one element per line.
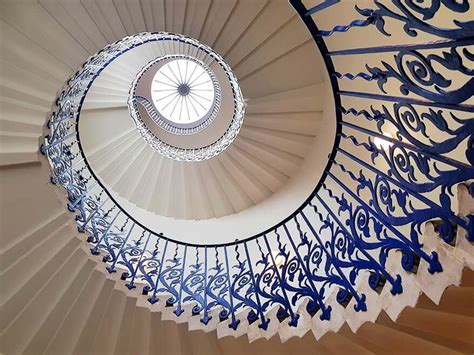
<point>373,180</point>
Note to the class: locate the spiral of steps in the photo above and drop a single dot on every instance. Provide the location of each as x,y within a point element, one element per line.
<point>58,298</point>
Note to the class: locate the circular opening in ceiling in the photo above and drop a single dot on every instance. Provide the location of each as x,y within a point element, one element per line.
<point>186,103</point>
<point>183,91</point>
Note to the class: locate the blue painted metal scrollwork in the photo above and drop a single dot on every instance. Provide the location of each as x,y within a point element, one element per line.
<point>417,74</point>
<point>408,12</point>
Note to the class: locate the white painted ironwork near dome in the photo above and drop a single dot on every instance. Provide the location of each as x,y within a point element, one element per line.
<point>185,98</point>
<point>184,92</point>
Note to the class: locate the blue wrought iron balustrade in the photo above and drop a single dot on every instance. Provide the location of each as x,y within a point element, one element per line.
<point>372,201</point>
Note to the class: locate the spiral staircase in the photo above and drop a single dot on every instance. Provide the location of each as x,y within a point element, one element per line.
<point>323,205</point>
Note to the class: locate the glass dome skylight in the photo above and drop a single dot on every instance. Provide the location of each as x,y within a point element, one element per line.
<point>183,91</point>
<point>186,103</point>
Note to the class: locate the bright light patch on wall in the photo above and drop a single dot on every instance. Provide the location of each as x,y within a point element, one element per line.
<point>383,143</point>
<point>278,258</point>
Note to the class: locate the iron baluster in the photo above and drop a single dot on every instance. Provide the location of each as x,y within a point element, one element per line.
<point>153,299</point>
<point>111,268</point>
<point>316,297</point>
<point>235,322</point>
<point>95,249</point>
<point>131,284</point>
<point>361,305</point>
<point>294,317</point>
<point>264,322</point>
<point>178,310</point>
